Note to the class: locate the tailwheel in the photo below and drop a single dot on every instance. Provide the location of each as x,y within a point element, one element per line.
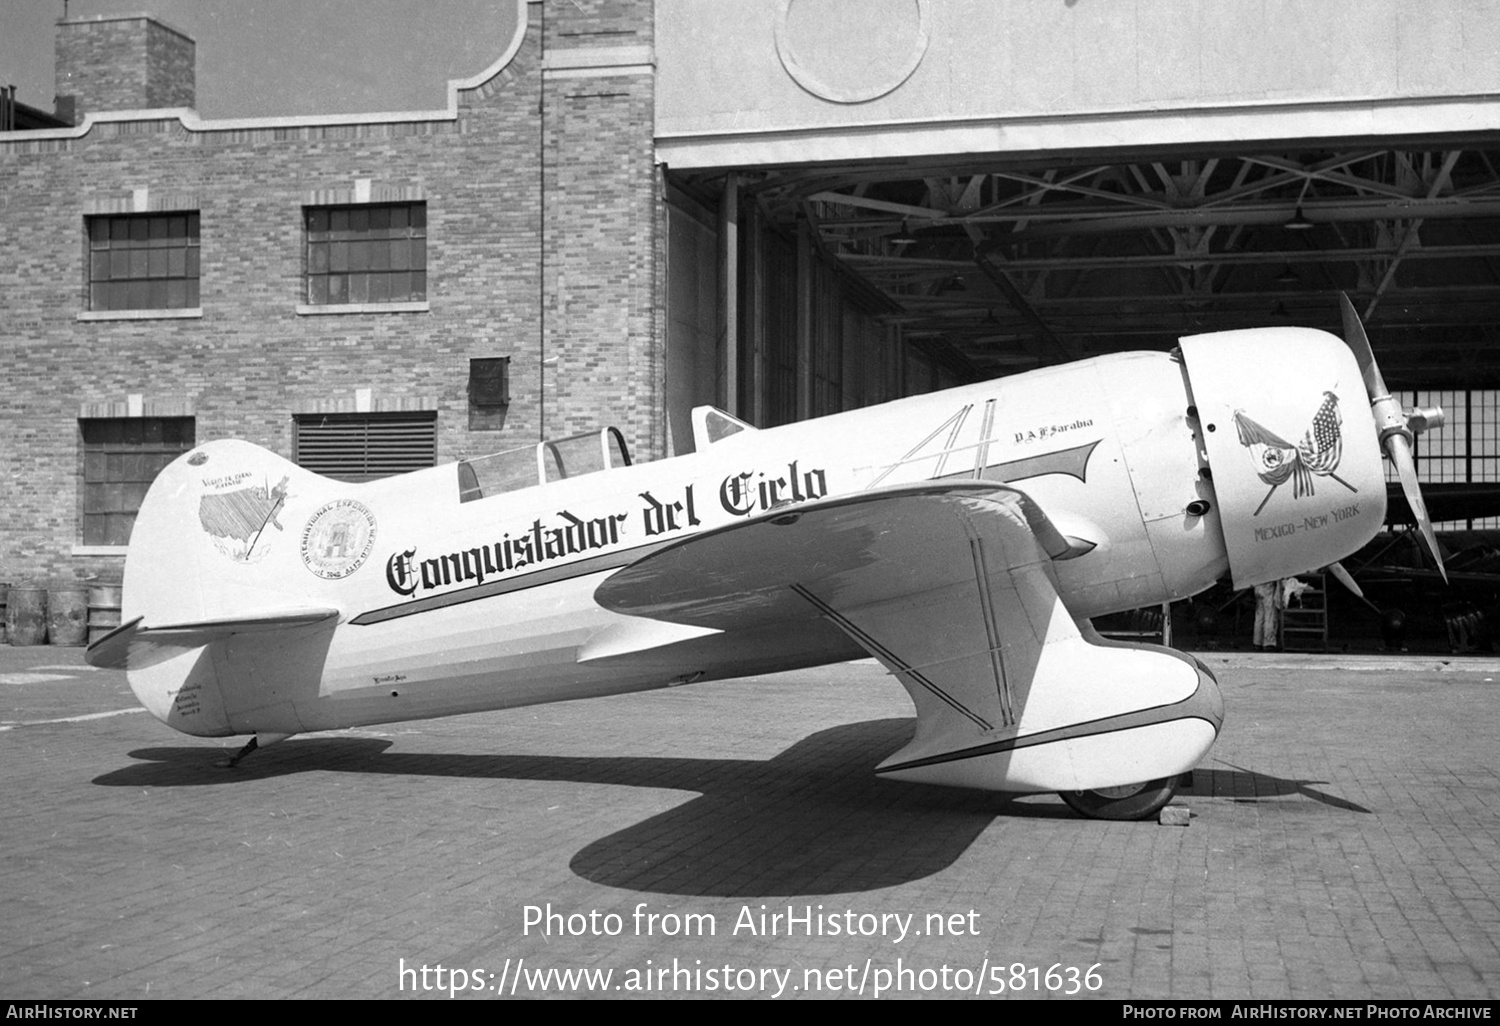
<point>1131,801</point>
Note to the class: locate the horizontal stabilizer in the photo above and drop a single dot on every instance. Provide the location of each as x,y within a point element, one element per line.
<point>133,646</point>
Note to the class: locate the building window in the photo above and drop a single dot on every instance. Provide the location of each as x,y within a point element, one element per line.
<point>143,262</point>
<point>121,457</point>
<point>364,446</point>
<point>366,254</point>
<point>1464,451</point>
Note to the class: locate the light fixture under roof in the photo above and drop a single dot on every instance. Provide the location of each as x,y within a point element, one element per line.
<point>1299,222</point>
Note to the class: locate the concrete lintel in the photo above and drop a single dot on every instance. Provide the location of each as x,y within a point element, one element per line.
<point>1240,127</point>
<point>597,57</point>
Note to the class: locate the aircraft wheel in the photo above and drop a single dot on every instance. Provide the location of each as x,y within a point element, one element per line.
<point>1132,801</point>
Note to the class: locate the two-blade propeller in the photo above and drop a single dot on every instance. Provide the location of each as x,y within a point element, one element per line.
<point>1393,425</point>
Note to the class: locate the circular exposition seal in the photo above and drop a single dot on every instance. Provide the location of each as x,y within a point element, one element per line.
<point>338,538</point>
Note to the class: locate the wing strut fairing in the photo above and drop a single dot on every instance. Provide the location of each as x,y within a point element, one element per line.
<point>950,586</point>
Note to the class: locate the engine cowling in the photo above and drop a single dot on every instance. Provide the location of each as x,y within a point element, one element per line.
<point>1284,417</point>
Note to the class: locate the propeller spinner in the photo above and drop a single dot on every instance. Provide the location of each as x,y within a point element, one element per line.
<point>1393,426</point>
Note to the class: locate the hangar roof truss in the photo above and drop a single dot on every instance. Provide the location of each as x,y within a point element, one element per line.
<point>1019,263</point>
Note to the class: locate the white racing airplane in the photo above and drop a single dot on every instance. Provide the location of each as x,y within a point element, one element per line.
<point>962,538</point>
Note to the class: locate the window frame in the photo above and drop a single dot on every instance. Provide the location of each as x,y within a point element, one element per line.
<point>364,256</point>
<point>1466,450</point>
<point>135,265</point>
<point>117,471</point>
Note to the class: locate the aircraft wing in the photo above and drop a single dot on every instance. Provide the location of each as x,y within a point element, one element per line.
<point>950,586</point>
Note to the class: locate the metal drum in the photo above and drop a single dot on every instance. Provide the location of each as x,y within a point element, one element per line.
<point>26,614</point>
<point>67,612</point>
<point>104,610</point>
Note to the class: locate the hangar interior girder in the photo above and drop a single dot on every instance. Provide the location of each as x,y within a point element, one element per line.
<point>1008,263</point>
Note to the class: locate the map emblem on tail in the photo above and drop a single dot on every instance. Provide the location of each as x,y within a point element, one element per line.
<point>236,518</point>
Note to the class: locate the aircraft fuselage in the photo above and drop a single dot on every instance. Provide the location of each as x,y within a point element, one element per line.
<point>485,604</point>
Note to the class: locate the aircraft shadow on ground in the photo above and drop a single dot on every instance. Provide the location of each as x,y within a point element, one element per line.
<point>1249,787</point>
<point>813,820</point>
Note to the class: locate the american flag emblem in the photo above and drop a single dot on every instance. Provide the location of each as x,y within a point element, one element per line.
<point>1277,460</point>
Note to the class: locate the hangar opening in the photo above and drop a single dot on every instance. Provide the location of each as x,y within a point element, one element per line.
<point>990,269</point>
<point>969,193</point>
<point>860,282</point>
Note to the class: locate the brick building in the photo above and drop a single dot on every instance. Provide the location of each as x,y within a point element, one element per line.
<point>364,293</point>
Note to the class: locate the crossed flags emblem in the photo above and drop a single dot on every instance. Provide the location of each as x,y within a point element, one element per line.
<point>1277,460</point>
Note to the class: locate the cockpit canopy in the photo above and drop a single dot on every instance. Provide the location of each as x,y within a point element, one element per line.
<point>551,460</point>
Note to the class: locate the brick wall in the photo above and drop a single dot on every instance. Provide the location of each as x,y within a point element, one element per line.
<point>603,225</point>
<point>171,68</point>
<point>573,291</point>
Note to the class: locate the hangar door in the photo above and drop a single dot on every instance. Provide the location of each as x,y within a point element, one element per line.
<point>694,346</point>
<point>808,337</point>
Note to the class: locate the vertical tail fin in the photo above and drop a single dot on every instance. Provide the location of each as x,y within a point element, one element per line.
<point>222,536</point>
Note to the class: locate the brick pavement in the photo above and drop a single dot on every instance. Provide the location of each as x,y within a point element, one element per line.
<point>1343,844</point>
